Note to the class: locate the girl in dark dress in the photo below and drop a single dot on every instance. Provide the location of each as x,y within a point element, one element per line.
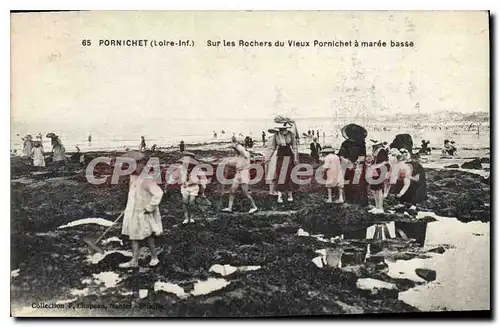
<point>353,152</point>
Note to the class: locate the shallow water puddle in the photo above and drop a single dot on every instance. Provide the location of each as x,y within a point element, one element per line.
<point>226,270</point>
<point>171,288</point>
<point>463,272</point>
<point>23,180</point>
<point>78,292</point>
<point>112,239</point>
<point>85,221</point>
<point>319,237</point>
<point>109,278</point>
<point>208,286</point>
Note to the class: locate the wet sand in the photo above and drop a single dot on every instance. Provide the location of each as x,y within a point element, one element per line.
<point>52,264</point>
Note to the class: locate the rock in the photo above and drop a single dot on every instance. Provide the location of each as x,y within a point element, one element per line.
<point>452,166</point>
<point>374,286</point>
<point>439,250</point>
<point>427,274</point>
<point>349,309</point>
<point>358,270</point>
<point>473,164</point>
<point>485,160</point>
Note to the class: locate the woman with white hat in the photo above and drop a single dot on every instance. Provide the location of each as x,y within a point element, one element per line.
<point>142,219</point>
<point>282,157</point>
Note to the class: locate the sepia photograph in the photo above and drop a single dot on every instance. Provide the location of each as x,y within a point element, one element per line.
<point>250,164</point>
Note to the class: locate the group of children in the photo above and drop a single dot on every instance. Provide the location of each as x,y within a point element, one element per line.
<point>33,149</point>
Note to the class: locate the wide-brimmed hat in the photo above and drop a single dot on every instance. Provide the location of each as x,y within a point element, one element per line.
<point>354,132</point>
<point>279,127</point>
<point>29,137</point>
<point>328,149</point>
<point>51,135</point>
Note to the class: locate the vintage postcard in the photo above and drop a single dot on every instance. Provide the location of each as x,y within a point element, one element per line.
<point>249,163</point>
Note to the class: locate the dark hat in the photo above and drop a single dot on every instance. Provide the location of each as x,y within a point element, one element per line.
<point>354,132</point>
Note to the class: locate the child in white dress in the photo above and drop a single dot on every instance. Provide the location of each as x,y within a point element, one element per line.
<point>37,154</point>
<point>333,174</point>
<point>142,218</point>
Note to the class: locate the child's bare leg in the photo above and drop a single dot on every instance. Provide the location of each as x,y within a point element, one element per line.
<point>234,188</point>
<point>341,195</point>
<point>185,207</point>
<point>329,200</point>
<point>152,247</point>
<point>244,188</point>
<point>191,206</point>
<point>380,195</point>
<point>135,256</point>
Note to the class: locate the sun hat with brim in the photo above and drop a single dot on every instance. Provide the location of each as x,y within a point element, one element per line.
<point>328,149</point>
<point>51,135</point>
<point>29,137</point>
<point>354,132</point>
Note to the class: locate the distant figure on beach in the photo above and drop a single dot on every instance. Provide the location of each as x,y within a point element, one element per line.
<point>142,219</point>
<point>233,138</point>
<point>315,148</point>
<point>263,138</point>
<point>153,148</point>
<point>242,177</point>
<point>215,134</point>
<point>222,132</point>
<point>27,147</point>
<point>58,151</point>
<point>90,138</point>
<point>449,148</point>
<point>317,133</point>
<point>142,147</point>
<point>39,137</point>
<point>425,148</point>
<point>37,154</point>
<point>333,174</point>
<point>182,147</point>
<point>308,132</point>
<point>407,176</point>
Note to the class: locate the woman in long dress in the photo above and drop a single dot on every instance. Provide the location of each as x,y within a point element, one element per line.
<point>282,156</point>
<point>58,151</point>
<point>353,152</point>
<point>142,220</point>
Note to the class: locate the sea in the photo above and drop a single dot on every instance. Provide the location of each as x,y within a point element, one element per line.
<point>108,136</point>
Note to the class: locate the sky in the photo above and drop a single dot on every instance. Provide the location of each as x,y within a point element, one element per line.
<point>54,78</point>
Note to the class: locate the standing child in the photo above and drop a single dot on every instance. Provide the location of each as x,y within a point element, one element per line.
<point>380,170</point>
<point>333,174</point>
<point>241,178</point>
<point>190,180</point>
<point>142,218</point>
<point>37,154</point>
